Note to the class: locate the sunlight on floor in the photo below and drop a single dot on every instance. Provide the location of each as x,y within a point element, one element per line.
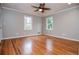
<point>28,46</point>
<point>49,44</point>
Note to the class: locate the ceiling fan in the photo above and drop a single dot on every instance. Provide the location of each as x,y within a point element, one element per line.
<point>41,7</point>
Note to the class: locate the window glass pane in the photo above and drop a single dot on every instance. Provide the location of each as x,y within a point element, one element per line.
<point>27,23</point>
<point>28,20</point>
<point>49,23</point>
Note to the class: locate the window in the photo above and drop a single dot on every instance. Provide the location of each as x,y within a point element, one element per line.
<point>27,23</point>
<point>49,23</point>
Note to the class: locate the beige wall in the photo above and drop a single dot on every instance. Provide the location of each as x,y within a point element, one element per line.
<point>66,24</point>
<point>13,25</point>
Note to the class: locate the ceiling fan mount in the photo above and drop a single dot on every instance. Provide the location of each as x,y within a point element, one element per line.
<point>41,7</point>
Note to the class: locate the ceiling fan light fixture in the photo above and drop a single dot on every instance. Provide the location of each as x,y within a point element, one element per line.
<point>40,9</point>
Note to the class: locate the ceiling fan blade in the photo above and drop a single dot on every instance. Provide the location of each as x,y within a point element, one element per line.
<point>35,7</point>
<point>42,11</point>
<point>36,10</point>
<point>40,4</point>
<point>43,4</point>
<point>46,8</point>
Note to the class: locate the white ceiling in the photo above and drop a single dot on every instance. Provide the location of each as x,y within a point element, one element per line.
<point>27,7</point>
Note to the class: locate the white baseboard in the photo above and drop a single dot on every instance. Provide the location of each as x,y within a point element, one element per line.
<point>40,34</point>
<point>62,37</point>
<point>20,36</point>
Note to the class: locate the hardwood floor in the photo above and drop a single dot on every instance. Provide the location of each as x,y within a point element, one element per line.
<point>39,45</point>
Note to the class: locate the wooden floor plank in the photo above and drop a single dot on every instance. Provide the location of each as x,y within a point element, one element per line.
<point>39,45</point>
